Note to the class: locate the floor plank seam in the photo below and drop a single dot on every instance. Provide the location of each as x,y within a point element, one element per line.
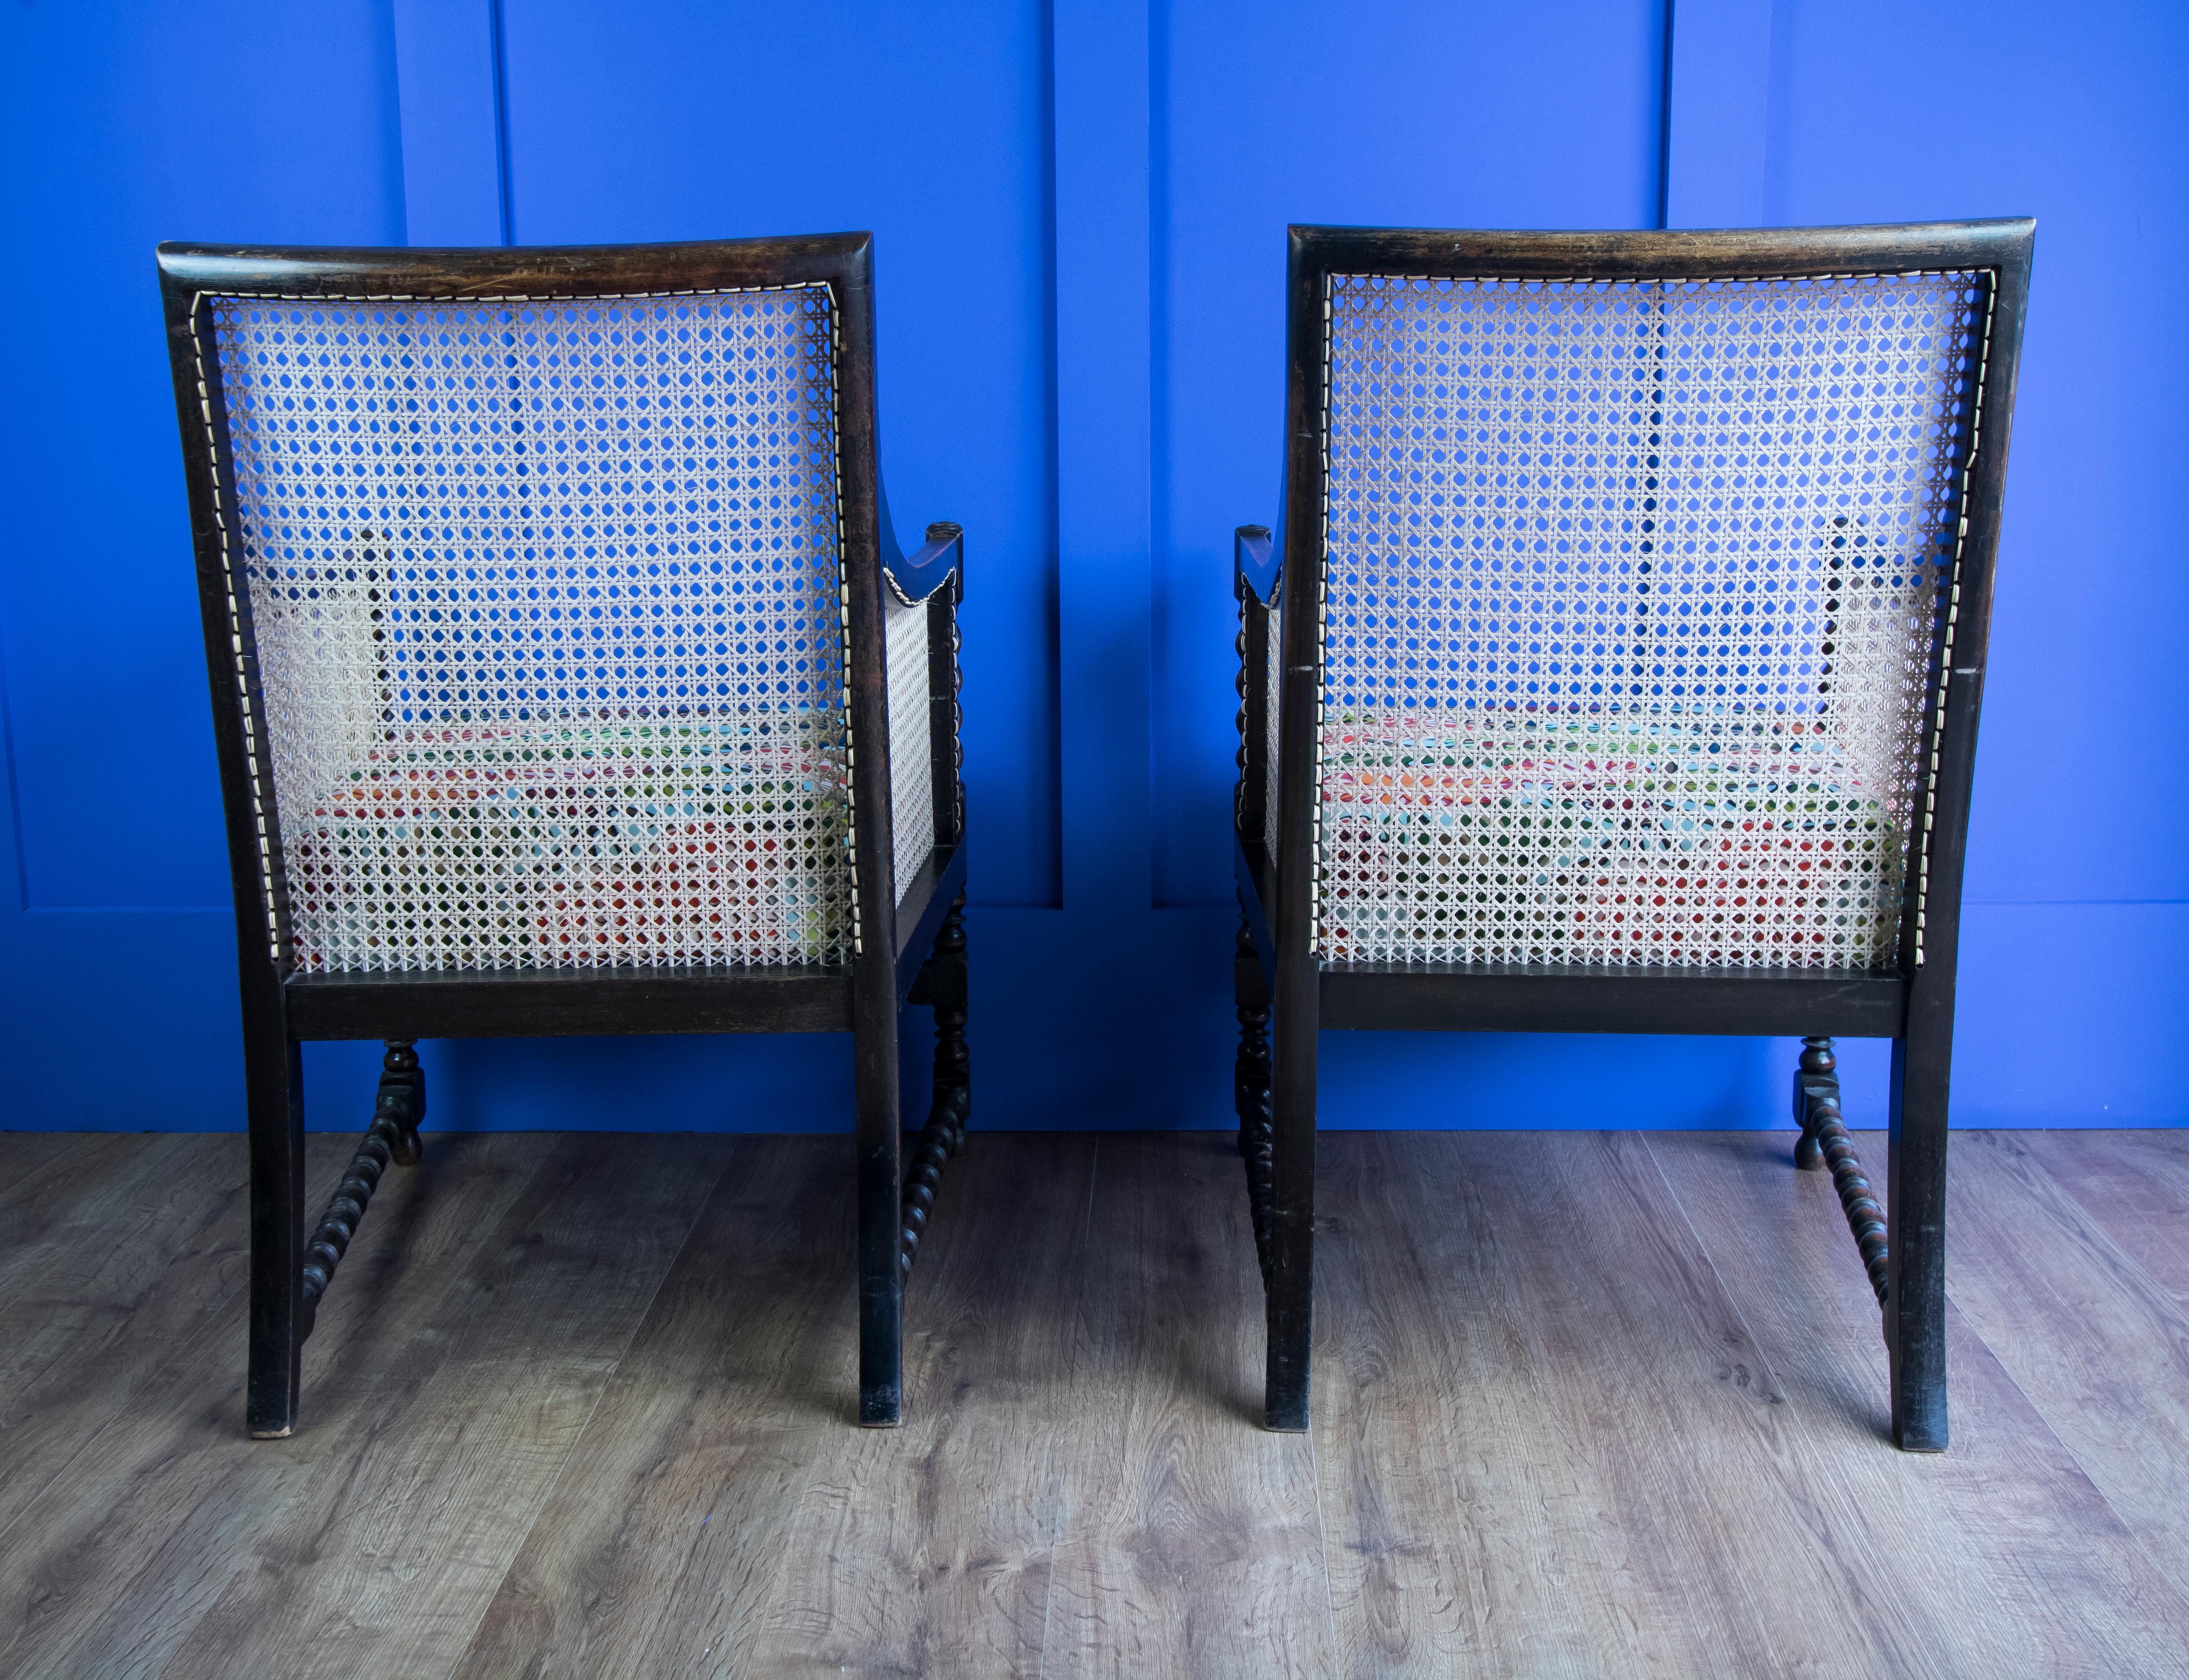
<point>146,1382</point>
<point>1761,1619</point>
<point>489,1599</point>
<point>1322,1539</point>
<point>1057,1536</point>
<point>2089,1232</point>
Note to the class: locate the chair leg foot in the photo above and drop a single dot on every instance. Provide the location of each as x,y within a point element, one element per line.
<point>881,1337</point>
<point>881,1406</point>
<point>1291,1317</point>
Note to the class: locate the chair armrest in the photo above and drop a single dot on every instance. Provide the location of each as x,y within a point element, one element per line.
<point>920,615</point>
<point>941,557</point>
<point>1255,563</point>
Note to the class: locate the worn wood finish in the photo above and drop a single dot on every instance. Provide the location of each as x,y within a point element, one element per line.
<point>282,1009</point>
<point>945,718</point>
<point>1695,253</point>
<point>1912,1005</point>
<point>938,882</point>
<point>550,1003</point>
<point>1594,1404</point>
<point>518,271</point>
<point>1545,997</point>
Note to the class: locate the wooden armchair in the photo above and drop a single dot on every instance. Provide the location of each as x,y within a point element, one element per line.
<point>1617,670</point>
<point>567,678</point>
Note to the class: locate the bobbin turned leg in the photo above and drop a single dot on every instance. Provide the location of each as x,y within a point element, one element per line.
<point>1250,1090</point>
<point>1819,1068</point>
<point>273,1083</point>
<point>949,992</point>
<point>1825,1143</point>
<point>1915,1292</point>
<point>392,1136</point>
<point>941,984</point>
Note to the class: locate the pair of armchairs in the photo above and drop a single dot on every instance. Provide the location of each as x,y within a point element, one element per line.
<point>1616,670</point>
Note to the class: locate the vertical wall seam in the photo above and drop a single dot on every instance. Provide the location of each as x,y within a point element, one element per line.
<point>1052,894</point>
<point>505,201</point>
<point>9,791</point>
<point>402,182</point>
<point>1664,120</point>
<point>1161,511</point>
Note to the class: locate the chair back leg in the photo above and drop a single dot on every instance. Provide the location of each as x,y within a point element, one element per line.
<point>274,1079</point>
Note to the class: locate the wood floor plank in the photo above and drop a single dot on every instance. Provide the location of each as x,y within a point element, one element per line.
<point>1459,1539</point>
<point>2100,1347</point>
<point>21,1152</point>
<point>1725,1556</point>
<point>31,1163</point>
<point>2135,1186</point>
<point>123,1272</point>
<point>2021,1565</point>
<point>45,1176</point>
<point>927,1550</point>
<point>413,1510</point>
<point>1585,1405</point>
<point>1193,1541</point>
<point>112,1565</point>
<point>660,1550</point>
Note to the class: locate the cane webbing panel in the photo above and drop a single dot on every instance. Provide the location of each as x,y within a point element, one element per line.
<point>912,763</point>
<point>546,601</point>
<point>1629,613</point>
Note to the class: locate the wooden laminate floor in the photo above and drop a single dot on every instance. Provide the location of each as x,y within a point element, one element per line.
<point>1587,1405</point>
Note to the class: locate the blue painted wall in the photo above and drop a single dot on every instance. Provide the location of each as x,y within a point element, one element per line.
<point>1079,209</point>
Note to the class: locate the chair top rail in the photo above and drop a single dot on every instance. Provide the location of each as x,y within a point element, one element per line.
<point>494,272</point>
<point>1700,254</point>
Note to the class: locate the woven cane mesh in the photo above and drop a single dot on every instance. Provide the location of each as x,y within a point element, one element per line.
<point>912,765</point>
<point>1629,613</point>
<point>545,596</point>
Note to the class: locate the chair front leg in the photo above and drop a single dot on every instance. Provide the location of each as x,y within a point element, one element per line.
<point>273,1081</point>
<point>881,1278</point>
<point>1250,1090</point>
<point>1915,1191</point>
<point>1290,1278</point>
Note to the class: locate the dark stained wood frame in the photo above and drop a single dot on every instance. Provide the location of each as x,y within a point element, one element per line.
<point>282,1009</point>
<point>1912,1005</point>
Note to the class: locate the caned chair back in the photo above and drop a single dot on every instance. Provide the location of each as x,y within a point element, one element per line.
<point>1633,601</point>
<point>543,616</point>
